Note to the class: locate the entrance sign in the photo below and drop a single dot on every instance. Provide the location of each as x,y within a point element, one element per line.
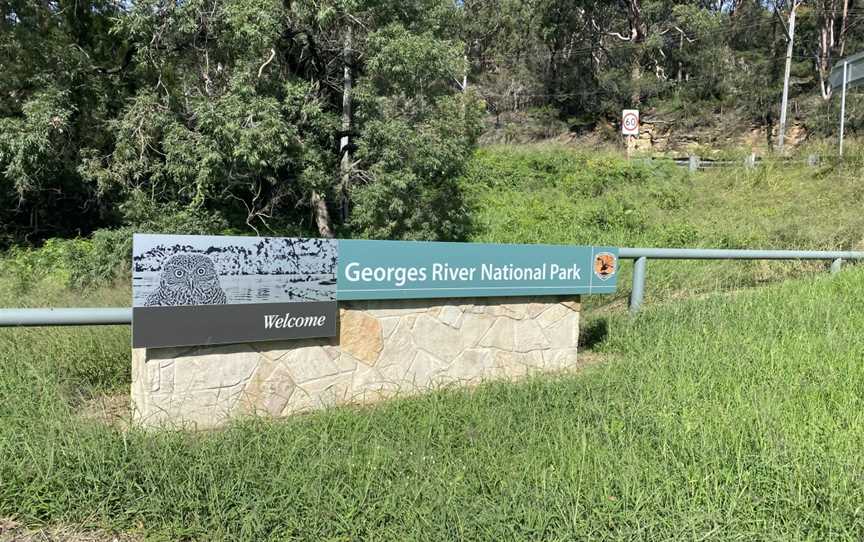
<point>630,122</point>
<point>199,290</point>
<point>418,270</point>
<point>202,290</point>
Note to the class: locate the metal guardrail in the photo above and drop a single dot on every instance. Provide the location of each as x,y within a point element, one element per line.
<point>123,315</point>
<point>695,163</point>
<point>641,255</point>
<point>65,317</point>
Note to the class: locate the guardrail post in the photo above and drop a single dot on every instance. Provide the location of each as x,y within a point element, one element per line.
<point>693,163</point>
<point>836,265</point>
<point>638,291</point>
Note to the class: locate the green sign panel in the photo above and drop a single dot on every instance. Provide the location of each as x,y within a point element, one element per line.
<point>415,270</point>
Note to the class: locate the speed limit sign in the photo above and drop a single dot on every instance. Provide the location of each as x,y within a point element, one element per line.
<point>630,122</point>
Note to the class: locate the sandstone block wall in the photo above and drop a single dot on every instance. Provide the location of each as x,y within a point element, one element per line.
<point>384,349</point>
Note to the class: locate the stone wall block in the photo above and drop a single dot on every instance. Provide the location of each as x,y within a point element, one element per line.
<point>140,387</point>
<point>473,306</point>
<point>516,311</point>
<point>502,335</point>
<point>368,384</point>
<point>518,364</point>
<point>472,365</point>
<point>360,334</point>
<point>473,328</point>
<point>385,349</point>
<point>434,336</point>
<point>575,306</point>
<point>552,314</point>
<point>394,307</point>
<point>535,309</point>
<point>154,374</point>
<point>313,363</point>
<point>323,392</point>
<point>268,391</point>
<point>400,345</point>
<point>207,368</point>
<point>565,332</point>
<point>425,371</point>
<point>557,359</point>
<point>166,376</point>
<point>450,315</point>
<point>529,336</point>
<point>388,325</point>
<point>276,350</point>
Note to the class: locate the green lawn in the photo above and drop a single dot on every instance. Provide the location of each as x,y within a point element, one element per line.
<point>735,417</point>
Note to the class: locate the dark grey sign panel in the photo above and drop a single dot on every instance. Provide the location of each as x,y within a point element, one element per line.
<point>156,327</point>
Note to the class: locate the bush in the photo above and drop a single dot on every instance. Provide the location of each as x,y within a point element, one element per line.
<point>104,257</point>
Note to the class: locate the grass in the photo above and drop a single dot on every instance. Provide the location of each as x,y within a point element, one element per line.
<point>554,194</point>
<point>715,417</point>
<point>721,418</point>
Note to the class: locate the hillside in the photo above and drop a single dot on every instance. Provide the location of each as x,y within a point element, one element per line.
<point>555,194</point>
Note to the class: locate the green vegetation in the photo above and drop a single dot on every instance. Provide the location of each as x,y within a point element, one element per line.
<point>731,415</point>
<point>356,117</point>
<point>724,418</point>
<point>555,194</point>
<point>727,415</point>
<point>552,194</point>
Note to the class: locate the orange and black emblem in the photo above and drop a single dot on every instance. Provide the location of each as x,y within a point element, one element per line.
<point>605,264</point>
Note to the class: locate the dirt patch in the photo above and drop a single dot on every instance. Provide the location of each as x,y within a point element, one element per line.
<point>114,410</point>
<point>11,531</point>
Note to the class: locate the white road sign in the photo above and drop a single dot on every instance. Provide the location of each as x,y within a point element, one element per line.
<point>630,122</point>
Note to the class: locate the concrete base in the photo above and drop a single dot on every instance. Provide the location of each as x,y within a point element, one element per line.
<point>384,349</point>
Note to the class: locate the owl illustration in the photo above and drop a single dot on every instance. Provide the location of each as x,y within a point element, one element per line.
<point>187,279</point>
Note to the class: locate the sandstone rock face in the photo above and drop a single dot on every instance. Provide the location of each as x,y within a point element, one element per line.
<point>384,349</point>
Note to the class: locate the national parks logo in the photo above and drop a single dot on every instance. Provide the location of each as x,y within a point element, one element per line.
<point>605,264</point>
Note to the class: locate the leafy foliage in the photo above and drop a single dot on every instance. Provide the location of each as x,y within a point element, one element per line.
<point>232,109</point>
<point>357,116</point>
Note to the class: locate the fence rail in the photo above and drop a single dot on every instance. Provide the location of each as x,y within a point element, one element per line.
<point>640,256</point>
<point>696,163</point>
<point>65,317</point>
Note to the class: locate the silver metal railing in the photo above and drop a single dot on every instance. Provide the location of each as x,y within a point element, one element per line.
<point>640,256</point>
<point>65,317</point>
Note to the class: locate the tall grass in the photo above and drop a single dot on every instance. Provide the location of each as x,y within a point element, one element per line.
<point>554,194</point>
<point>727,418</point>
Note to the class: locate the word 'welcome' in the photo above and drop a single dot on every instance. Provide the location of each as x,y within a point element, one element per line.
<point>286,321</point>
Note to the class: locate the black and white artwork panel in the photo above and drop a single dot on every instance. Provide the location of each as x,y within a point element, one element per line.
<point>184,270</point>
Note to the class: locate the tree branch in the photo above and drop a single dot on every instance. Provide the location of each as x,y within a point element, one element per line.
<point>268,61</point>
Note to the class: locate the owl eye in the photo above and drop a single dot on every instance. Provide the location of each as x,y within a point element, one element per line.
<point>201,271</point>
<point>178,273</point>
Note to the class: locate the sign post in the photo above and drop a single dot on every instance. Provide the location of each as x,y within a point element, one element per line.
<point>843,104</point>
<point>629,127</point>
